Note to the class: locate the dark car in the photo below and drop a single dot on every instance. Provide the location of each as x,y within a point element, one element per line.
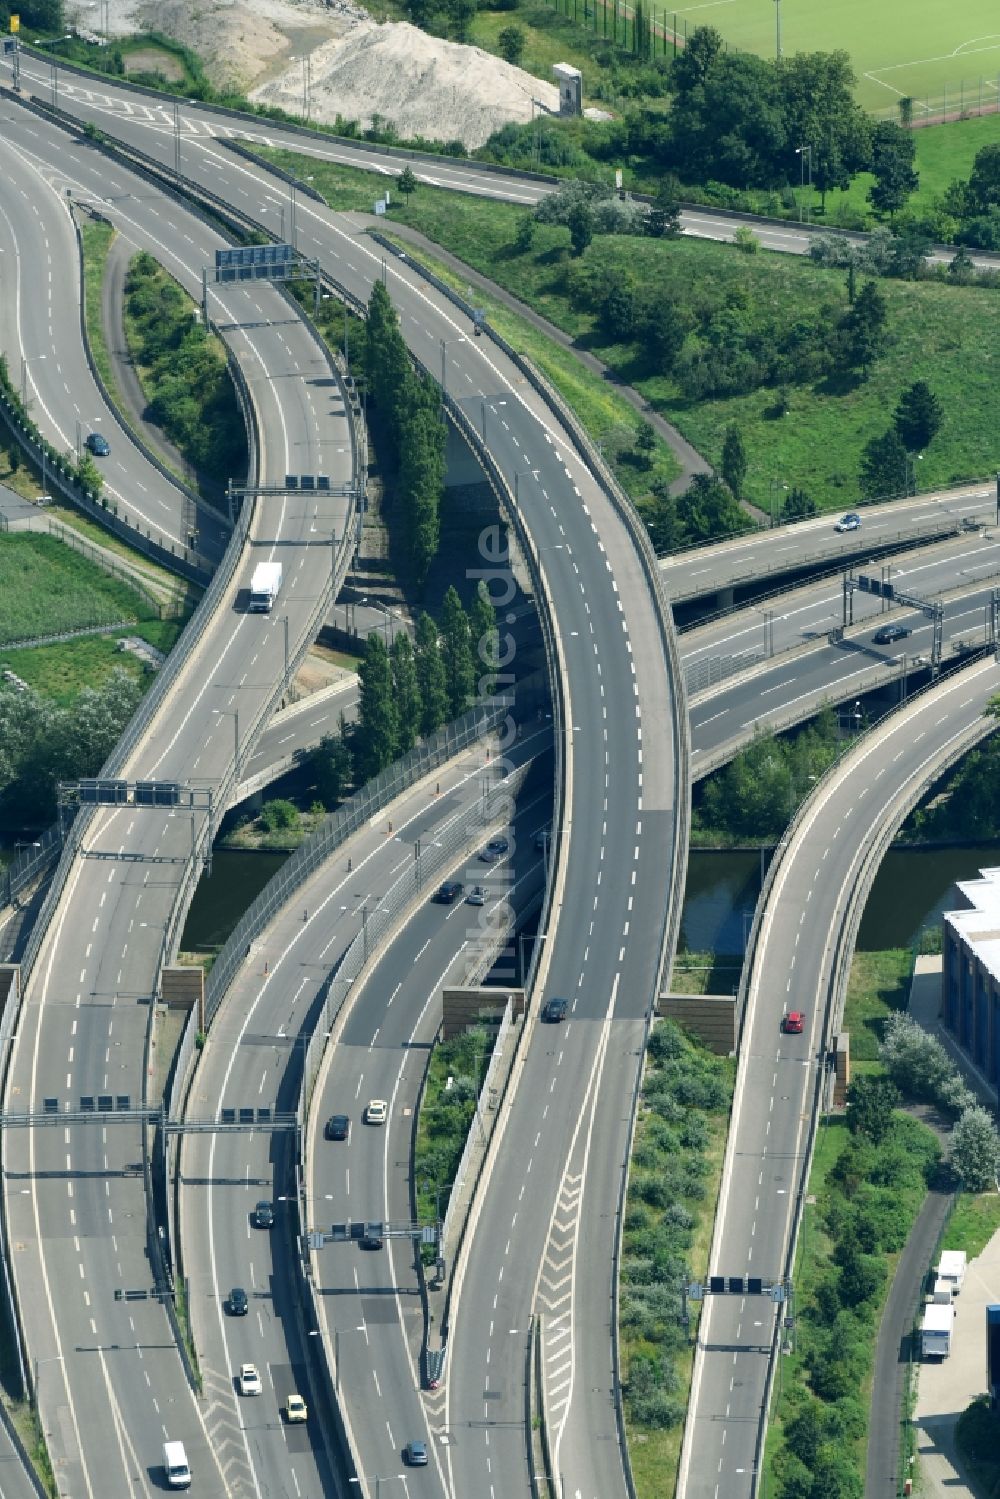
<point>448,893</point>
<point>337,1127</point>
<point>238,1303</point>
<point>793,1023</point>
<point>494,850</point>
<point>98,445</point>
<point>554,1010</point>
<point>888,633</point>
<point>263,1215</point>
<point>415,1453</point>
<point>371,1240</point>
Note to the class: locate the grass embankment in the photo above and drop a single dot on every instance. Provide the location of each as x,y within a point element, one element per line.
<point>676,1167</point>
<point>447,1113</point>
<point>943,334</point>
<point>47,587</point>
<point>97,240</point>
<point>705,973</point>
<point>183,373</point>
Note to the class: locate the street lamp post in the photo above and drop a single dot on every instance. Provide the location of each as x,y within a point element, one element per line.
<point>777,44</point>
<point>25,361</point>
<point>802,152</point>
<point>234,713</point>
<point>444,351</point>
<point>284,621</point>
<point>772,489</point>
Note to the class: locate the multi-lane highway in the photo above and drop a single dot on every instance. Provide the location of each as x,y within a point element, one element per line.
<point>107,1375</point>
<point>605,954</point>
<point>800,962</point>
<point>617,675</point>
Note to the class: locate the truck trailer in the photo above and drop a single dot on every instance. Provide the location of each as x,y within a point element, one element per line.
<point>951,1270</point>
<point>936,1330</point>
<point>264,587</point>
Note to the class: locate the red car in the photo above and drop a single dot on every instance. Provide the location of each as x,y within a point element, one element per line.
<point>793,1023</point>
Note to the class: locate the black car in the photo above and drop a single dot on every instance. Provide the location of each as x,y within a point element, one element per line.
<point>98,445</point>
<point>554,1010</point>
<point>494,850</point>
<point>371,1240</point>
<point>238,1303</point>
<point>337,1127</point>
<point>448,893</point>
<point>888,633</point>
<point>263,1215</point>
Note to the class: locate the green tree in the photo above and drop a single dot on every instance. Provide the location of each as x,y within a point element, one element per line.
<point>421,478</point>
<point>918,416</point>
<point>406,691</point>
<point>663,331</point>
<point>805,1432</point>
<point>511,44</point>
<point>708,510</point>
<point>734,459</point>
<point>407,182</point>
<point>871,1102</point>
<point>884,467</point>
<point>378,722</point>
<point>484,635</point>
<point>279,816</point>
<point>525,236</point>
<point>431,678</point>
<point>665,214</point>
<point>974,1150</point>
<point>893,152</point>
<point>581,227</point>
<point>862,328</point>
<point>798,505</point>
<point>618,311</point>
<point>331,762</point>
<point>692,66</point>
<point>659,513</point>
<point>745,240</point>
<point>88,475</point>
<point>456,653</point>
<point>645,445</point>
<point>983,191</point>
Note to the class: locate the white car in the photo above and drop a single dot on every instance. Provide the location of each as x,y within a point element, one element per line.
<point>376,1111</point>
<point>296,1409</point>
<point>250,1380</point>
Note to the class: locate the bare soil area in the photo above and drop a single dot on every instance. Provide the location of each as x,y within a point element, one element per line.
<point>357,68</point>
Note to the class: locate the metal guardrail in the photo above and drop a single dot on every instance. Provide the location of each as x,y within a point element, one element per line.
<point>719,669</point>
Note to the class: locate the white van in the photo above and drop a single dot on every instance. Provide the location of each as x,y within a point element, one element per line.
<point>175,1465</point>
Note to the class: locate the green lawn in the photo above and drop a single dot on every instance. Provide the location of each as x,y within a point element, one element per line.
<point>973,1223</point>
<point>897,47</point>
<point>879,983</point>
<point>46,587</point>
<point>61,671</point>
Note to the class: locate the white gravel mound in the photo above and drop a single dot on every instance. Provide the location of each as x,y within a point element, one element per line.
<point>424,85</point>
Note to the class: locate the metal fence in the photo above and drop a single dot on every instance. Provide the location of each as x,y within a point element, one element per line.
<point>956,99</point>
<point>718,669</point>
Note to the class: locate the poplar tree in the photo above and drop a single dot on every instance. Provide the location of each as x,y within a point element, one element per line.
<point>431,681</point>
<point>456,652</point>
<point>378,722</point>
<point>407,693</point>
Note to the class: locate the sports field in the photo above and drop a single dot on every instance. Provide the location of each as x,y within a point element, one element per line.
<point>936,53</point>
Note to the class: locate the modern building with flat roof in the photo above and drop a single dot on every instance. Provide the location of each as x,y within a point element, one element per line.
<point>971,973</point>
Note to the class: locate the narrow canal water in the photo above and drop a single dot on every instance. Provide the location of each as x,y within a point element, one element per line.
<point>911,890</point>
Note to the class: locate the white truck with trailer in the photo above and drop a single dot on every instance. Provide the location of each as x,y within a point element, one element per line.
<point>264,587</point>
